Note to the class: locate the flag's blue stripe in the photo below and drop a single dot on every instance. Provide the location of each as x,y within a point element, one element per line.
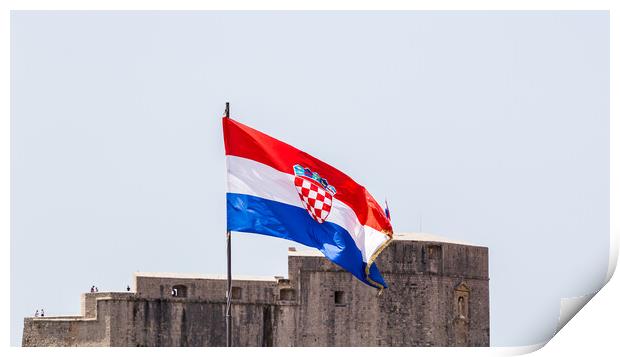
<point>252,214</point>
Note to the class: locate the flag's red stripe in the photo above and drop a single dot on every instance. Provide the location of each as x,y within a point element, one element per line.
<point>243,141</point>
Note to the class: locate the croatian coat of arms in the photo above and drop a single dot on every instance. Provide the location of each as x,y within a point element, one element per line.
<point>315,192</point>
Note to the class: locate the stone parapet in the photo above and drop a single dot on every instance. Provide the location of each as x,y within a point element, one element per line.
<point>438,295</point>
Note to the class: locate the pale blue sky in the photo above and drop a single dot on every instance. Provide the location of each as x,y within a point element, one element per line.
<point>492,128</point>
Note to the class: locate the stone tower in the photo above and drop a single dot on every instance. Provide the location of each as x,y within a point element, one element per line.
<point>438,295</point>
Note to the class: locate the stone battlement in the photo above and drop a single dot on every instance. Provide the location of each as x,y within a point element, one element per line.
<point>437,296</point>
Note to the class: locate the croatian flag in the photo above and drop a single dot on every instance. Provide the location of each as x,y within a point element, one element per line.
<point>277,190</point>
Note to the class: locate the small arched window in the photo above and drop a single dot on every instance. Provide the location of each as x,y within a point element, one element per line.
<point>461,301</point>
<point>179,291</point>
<point>339,298</point>
<point>461,307</point>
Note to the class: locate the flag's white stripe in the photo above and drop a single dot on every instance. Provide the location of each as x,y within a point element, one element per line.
<point>250,177</point>
<point>253,178</point>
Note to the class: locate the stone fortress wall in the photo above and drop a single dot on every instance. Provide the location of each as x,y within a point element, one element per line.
<point>438,295</point>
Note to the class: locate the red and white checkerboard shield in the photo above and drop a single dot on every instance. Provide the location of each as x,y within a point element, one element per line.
<point>314,197</point>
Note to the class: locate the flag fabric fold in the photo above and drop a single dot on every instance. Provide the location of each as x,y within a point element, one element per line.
<point>277,190</point>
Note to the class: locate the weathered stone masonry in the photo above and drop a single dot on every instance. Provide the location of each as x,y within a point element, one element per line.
<point>438,295</point>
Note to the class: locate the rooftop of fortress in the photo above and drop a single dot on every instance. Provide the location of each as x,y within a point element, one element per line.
<point>417,236</point>
<point>292,252</point>
<point>156,284</point>
<point>203,276</point>
<point>427,237</point>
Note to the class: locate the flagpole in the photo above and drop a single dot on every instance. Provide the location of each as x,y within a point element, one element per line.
<point>228,293</point>
<point>228,276</point>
